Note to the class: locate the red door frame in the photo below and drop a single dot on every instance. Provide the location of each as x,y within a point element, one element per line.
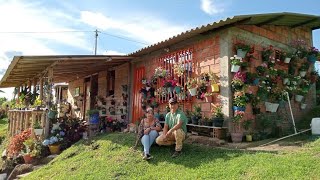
<point>137,111</point>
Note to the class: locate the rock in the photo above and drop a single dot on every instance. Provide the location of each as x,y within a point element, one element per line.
<point>20,169</point>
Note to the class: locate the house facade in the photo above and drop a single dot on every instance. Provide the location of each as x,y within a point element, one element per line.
<point>121,91</point>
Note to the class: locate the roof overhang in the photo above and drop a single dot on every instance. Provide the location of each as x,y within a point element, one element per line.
<point>292,20</point>
<point>65,68</point>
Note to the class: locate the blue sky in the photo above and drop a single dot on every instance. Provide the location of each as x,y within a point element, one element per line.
<point>138,23</point>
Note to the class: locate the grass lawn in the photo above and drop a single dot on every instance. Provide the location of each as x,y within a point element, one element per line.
<point>3,127</point>
<point>110,157</point>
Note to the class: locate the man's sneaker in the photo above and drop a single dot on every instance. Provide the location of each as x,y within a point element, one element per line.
<point>147,157</point>
<point>176,154</point>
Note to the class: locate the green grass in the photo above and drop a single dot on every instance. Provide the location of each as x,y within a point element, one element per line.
<point>3,127</point>
<point>113,159</point>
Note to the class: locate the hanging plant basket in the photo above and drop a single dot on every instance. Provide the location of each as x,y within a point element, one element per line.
<point>303,106</point>
<point>215,88</point>
<point>241,53</point>
<point>235,68</point>
<point>271,107</point>
<point>287,60</point>
<point>298,98</point>
<point>193,91</point>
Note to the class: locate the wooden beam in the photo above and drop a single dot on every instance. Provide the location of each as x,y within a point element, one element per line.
<point>305,22</point>
<point>270,20</point>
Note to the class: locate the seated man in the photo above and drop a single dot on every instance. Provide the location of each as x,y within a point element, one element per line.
<point>175,128</point>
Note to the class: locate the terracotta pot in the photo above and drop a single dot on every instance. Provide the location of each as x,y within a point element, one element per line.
<point>27,158</point>
<point>236,137</point>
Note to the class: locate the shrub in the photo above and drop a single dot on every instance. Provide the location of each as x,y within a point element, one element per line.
<point>16,142</point>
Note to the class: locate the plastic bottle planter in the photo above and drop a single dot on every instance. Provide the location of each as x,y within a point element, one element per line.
<point>193,91</point>
<point>235,68</point>
<point>303,73</point>
<point>303,106</point>
<point>271,107</point>
<point>287,60</point>
<point>215,88</point>
<point>241,53</point>
<point>298,98</point>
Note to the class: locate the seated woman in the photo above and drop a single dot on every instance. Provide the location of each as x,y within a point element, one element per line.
<point>148,129</point>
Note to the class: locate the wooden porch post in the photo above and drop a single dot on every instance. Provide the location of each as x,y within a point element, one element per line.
<point>41,88</point>
<point>49,95</point>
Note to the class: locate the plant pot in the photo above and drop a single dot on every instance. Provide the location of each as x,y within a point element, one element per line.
<point>241,53</point>
<point>38,131</point>
<point>195,120</point>
<point>235,68</point>
<point>177,89</point>
<point>303,73</point>
<point>193,91</point>
<point>287,60</point>
<point>303,106</point>
<point>312,58</point>
<point>255,81</point>
<point>235,108</point>
<point>218,122</point>
<point>52,114</point>
<point>298,98</point>
<point>249,138</point>
<point>286,81</point>
<point>215,88</point>
<point>94,118</point>
<point>271,107</point>
<point>27,159</point>
<point>236,137</point>
<point>54,148</point>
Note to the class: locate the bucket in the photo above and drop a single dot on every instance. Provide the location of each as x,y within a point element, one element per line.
<point>315,126</point>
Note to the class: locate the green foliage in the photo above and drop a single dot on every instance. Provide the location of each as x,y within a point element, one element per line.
<point>92,112</point>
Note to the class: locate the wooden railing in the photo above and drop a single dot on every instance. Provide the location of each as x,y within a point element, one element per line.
<point>19,120</point>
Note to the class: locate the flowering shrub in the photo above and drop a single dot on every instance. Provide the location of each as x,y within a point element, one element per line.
<point>57,135</point>
<point>267,54</point>
<point>178,69</point>
<point>16,142</point>
<point>238,115</point>
<point>169,83</point>
<point>313,51</point>
<point>161,73</point>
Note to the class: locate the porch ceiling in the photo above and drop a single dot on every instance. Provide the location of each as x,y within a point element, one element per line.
<point>65,68</point>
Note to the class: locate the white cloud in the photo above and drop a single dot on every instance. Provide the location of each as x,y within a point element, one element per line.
<point>211,7</point>
<point>143,28</point>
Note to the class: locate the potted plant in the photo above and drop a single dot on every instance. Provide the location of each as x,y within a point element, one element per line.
<point>93,115</point>
<point>196,114</point>
<point>252,78</point>
<point>300,93</point>
<point>192,86</point>
<point>255,102</point>
<point>262,69</point>
<point>240,102</point>
<point>242,49</point>
<point>217,116</point>
<point>214,82</point>
<point>52,112</point>
<point>303,104</point>
<point>314,76</point>
<point>38,129</point>
<point>178,69</point>
<point>236,63</point>
<point>27,153</point>
<point>268,54</point>
<point>236,135</point>
<point>55,139</point>
<point>246,125</point>
<point>285,56</point>
<point>303,69</point>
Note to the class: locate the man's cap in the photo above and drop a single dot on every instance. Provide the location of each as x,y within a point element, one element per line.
<point>173,101</point>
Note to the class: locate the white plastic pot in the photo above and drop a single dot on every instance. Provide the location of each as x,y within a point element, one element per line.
<point>298,97</point>
<point>303,73</point>
<point>287,60</point>
<point>303,106</point>
<point>271,107</point>
<point>193,91</point>
<point>235,68</point>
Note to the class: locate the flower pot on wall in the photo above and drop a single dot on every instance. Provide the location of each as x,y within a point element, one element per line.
<point>303,106</point>
<point>312,58</point>
<point>193,91</point>
<point>177,89</point>
<point>218,121</point>
<point>298,98</point>
<point>38,131</point>
<point>249,138</point>
<point>255,81</point>
<point>215,88</point>
<point>235,108</point>
<point>236,137</point>
<point>286,81</point>
<point>235,68</point>
<point>287,60</point>
<point>271,107</point>
<point>241,53</point>
<point>303,73</point>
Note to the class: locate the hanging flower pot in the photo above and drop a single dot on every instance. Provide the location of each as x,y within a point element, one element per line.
<point>177,89</point>
<point>237,108</point>
<point>193,91</point>
<point>303,106</point>
<point>38,131</point>
<point>287,60</point>
<point>303,73</point>
<point>271,107</point>
<point>298,98</point>
<point>235,68</point>
<point>255,81</point>
<point>241,53</point>
<point>215,88</point>
<point>286,81</point>
<point>312,58</point>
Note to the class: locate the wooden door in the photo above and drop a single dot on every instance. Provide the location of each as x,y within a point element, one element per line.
<point>137,111</point>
